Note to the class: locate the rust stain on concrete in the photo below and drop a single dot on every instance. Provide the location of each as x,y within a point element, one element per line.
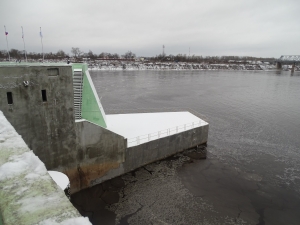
<point>81,176</point>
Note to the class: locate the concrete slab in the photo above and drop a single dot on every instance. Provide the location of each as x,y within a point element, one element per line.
<point>140,128</point>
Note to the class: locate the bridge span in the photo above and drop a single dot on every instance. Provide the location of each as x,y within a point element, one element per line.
<point>288,60</point>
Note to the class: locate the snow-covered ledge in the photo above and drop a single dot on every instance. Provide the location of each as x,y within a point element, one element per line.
<point>28,195</point>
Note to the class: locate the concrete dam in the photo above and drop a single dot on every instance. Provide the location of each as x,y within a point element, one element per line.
<point>56,110</point>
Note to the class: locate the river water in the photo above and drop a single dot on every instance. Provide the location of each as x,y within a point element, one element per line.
<point>252,173</point>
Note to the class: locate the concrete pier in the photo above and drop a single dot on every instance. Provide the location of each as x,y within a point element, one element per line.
<point>56,109</point>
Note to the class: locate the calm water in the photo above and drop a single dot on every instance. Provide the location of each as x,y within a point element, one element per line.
<point>252,174</point>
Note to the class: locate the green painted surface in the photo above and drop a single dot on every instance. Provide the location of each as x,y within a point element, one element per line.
<point>91,108</point>
<point>79,66</point>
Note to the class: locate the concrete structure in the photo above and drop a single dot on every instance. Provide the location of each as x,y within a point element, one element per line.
<point>28,195</point>
<point>161,148</point>
<point>56,109</point>
<point>41,110</point>
<point>139,128</point>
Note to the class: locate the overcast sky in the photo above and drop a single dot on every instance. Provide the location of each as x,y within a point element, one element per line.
<point>266,28</point>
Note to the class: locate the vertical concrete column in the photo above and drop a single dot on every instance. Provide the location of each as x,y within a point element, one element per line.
<point>278,65</point>
<point>293,68</point>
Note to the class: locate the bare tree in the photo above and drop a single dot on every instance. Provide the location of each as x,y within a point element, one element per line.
<point>129,55</point>
<point>103,55</point>
<point>60,54</point>
<point>116,56</point>
<point>91,55</point>
<point>76,52</point>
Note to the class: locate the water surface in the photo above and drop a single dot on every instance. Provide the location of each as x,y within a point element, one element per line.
<point>252,173</point>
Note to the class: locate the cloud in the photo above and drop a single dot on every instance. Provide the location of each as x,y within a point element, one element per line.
<point>259,28</point>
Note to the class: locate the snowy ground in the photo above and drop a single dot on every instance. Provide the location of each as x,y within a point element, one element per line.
<point>118,65</point>
<point>139,128</point>
<point>28,195</point>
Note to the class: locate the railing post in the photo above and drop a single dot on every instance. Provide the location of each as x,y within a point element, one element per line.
<point>158,135</point>
<point>184,126</point>
<point>193,125</point>
<point>137,140</point>
<point>149,137</point>
<point>176,129</point>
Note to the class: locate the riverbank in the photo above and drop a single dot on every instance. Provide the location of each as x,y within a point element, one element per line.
<point>129,65</point>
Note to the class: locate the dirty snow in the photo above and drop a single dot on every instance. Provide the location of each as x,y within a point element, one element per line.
<point>28,195</point>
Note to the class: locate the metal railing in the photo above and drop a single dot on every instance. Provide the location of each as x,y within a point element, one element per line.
<point>163,133</point>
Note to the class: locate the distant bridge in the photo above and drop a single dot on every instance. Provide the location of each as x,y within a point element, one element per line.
<point>288,59</point>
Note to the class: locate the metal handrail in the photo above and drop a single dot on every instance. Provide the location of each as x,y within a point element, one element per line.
<point>163,133</point>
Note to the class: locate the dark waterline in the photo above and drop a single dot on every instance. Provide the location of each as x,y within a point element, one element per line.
<point>252,172</point>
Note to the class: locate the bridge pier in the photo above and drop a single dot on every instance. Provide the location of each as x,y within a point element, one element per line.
<point>293,67</point>
<point>288,60</point>
<point>279,65</point>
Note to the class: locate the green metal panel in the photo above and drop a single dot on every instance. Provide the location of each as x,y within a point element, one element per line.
<point>92,109</point>
<point>79,66</point>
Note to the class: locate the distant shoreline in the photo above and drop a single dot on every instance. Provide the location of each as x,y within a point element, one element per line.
<point>257,66</point>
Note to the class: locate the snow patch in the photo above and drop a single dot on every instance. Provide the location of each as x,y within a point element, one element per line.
<point>22,164</point>
<point>137,124</point>
<point>72,221</point>
<point>27,192</point>
<point>61,179</point>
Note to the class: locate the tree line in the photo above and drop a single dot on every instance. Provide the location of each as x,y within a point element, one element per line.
<point>80,55</point>
<point>206,59</point>
<point>60,54</point>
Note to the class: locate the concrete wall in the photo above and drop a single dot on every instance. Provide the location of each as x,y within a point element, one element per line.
<point>28,195</point>
<point>47,127</point>
<point>146,153</point>
<point>99,151</point>
<point>83,150</point>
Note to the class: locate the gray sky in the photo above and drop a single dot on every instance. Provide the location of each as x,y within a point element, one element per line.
<point>266,28</point>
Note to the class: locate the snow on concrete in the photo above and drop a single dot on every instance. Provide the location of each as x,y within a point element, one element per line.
<point>71,221</point>
<point>61,179</point>
<point>9,139</point>
<point>139,128</point>
<point>28,195</point>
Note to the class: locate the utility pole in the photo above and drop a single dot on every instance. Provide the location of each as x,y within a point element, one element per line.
<point>6,33</point>
<point>24,43</point>
<point>163,50</point>
<point>41,35</point>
